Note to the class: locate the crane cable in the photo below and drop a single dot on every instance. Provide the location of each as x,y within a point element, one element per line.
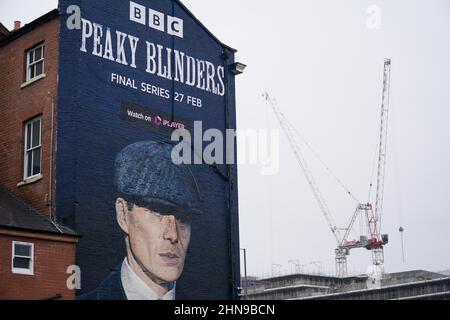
<point>316,155</point>
<point>289,126</point>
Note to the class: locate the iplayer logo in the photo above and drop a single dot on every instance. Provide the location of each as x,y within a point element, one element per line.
<point>157,20</point>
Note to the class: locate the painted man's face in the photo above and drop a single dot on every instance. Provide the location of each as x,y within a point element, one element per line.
<point>160,243</point>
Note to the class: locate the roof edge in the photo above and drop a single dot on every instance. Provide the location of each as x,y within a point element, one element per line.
<point>50,233</point>
<point>4,30</point>
<point>55,13</point>
<point>13,35</point>
<point>204,28</point>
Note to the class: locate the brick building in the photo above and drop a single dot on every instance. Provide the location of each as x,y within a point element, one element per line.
<point>35,252</point>
<point>58,156</point>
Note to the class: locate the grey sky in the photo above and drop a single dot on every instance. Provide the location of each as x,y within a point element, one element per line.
<point>325,67</point>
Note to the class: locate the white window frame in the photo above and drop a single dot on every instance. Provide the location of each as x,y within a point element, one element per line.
<point>31,149</point>
<point>28,272</point>
<point>33,64</point>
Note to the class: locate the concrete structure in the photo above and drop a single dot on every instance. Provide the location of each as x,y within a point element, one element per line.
<point>402,286</point>
<point>35,252</point>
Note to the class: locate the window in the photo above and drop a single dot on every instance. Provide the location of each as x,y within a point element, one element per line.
<point>35,62</point>
<point>23,258</point>
<point>32,163</point>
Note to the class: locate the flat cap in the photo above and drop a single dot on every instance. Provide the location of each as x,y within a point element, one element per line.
<point>146,175</point>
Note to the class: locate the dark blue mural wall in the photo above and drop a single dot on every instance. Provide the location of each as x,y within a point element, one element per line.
<point>128,75</point>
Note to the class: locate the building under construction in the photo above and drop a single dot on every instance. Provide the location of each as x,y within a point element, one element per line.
<point>412,285</point>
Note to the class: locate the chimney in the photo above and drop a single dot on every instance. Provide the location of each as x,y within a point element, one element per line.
<point>17,25</point>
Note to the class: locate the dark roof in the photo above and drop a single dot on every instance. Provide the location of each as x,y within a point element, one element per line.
<point>16,214</point>
<point>3,31</point>
<point>55,13</point>
<point>13,35</point>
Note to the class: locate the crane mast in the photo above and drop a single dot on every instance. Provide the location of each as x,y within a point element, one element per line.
<point>375,217</point>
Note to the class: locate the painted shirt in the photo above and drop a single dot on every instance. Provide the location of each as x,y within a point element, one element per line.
<point>136,289</point>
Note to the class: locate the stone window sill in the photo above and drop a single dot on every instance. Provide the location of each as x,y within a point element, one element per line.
<point>26,84</point>
<point>30,180</point>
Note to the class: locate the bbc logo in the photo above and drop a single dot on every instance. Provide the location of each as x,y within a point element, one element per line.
<point>156,20</point>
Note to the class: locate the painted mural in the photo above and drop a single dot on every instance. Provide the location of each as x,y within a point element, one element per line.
<point>133,73</point>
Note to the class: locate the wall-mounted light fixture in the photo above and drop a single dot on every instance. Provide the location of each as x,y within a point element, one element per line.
<point>237,68</point>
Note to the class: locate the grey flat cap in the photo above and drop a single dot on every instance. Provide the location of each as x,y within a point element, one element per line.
<point>146,176</point>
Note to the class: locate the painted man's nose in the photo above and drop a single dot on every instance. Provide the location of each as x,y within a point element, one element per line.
<point>170,232</point>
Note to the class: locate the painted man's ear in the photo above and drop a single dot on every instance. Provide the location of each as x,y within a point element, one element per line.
<point>122,214</point>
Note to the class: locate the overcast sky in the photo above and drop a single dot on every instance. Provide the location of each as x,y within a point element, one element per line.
<point>325,67</point>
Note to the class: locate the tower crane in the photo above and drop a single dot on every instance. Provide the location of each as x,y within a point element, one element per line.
<point>373,241</point>
<point>374,218</point>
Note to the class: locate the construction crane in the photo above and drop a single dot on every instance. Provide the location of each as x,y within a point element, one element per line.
<point>343,246</point>
<point>374,218</point>
<point>373,241</point>
<point>376,241</point>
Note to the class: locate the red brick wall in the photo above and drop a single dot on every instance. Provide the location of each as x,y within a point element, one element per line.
<point>52,259</point>
<point>19,105</point>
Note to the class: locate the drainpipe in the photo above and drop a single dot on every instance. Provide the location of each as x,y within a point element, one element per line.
<point>50,192</point>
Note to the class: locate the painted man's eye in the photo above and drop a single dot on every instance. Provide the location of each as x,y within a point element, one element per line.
<point>157,215</point>
<point>182,222</point>
<point>185,220</point>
